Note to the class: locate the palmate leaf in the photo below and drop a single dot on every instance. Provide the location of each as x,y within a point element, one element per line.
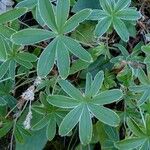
<point>14,57</point>
<point>42,123</point>
<point>128,14</point>
<point>4,68</point>
<point>106,5</point>
<point>75,48</point>
<point>74,21</point>
<point>47,58</point>
<point>121,4</point>
<point>2,49</point>
<point>51,128</point>
<point>82,4</point>
<point>113,14</point>
<point>96,84</point>
<point>121,29</point>
<point>84,107</point>
<point>70,89</point>
<point>27,57</point>
<point>6,31</point>
<point>71,119</point>
<point>102,114</point>
<point>52,116</point>
<point>12,14</point>
<point>2,101</point>
<point>141,141</point>
<point>62,101</point>
<point>85,126</point>
<point>26,64</point>
<point>102,26</point>
<point>47,13</point>
<point>88,83</point>
<point>97,14</point>
<point>143,88</point>
<point>27,3</point>
<point>32,36</point>
<point>130,144</point>
<point>12,69</point>
<point>5,129</point>
<point>134,127</point>
<point>62,12</point>
<point>106,97</point>
<point>63,59</point>
<point>60,46</point>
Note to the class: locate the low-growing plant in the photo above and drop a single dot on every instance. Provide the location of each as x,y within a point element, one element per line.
<point>75,74</point>
<point>115,14</point>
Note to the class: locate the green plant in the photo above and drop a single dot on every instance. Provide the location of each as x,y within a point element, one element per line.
<point>85,106</point>
<point>11,56</point>
<point>60,26</point>
<point>114,14</point>
<point>141,136</point>
<point>131,62</point>
<point>75,74</point>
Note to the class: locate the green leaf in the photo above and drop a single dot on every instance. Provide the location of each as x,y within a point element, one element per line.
<point>51,128</point>
<point>121,4</point>
<point>63,59</point>
<point>76,19</point>
<point>70,120</point>
<point>103,114</point>
<point>46,60</point>
<point>47,13</point>
<point>82,4</point>
<point>26,64</point>
<point>2,50</point>
<point>42,123</point>
<point>6,31</point>
<point>12,14</point>
<point>128,14</point>
<point>85,127</point>
<point>2,101</point>
<point>70,89</point>
<point>88,83</point>
<point>27,57</point>
<point>32,36</point>
<point>12,69</point>
<point>33,142</point>
<point>121,29</point>
<point>18,135</point>
<point>148,124</point>
<point>75,48</point>
<point>97,14</point>
<point>106,5</point>
<point>107,97</point>
<point>102,26</point>
<point>133,126</point>
<point>77,66</point>
<point>23,131</point>
<point>97,83</point>
<point>130,144</point>
<point>144,97</point>
<point>38,17</point>
<point>62,12</point>
<point>146,49</point>
<point>5,128</point>
<point>138,89</point>
<point>123,50</point>
<point>142,77</point>
<point>27,3</point>
<point>62,101</point>
<point>3,68</point>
